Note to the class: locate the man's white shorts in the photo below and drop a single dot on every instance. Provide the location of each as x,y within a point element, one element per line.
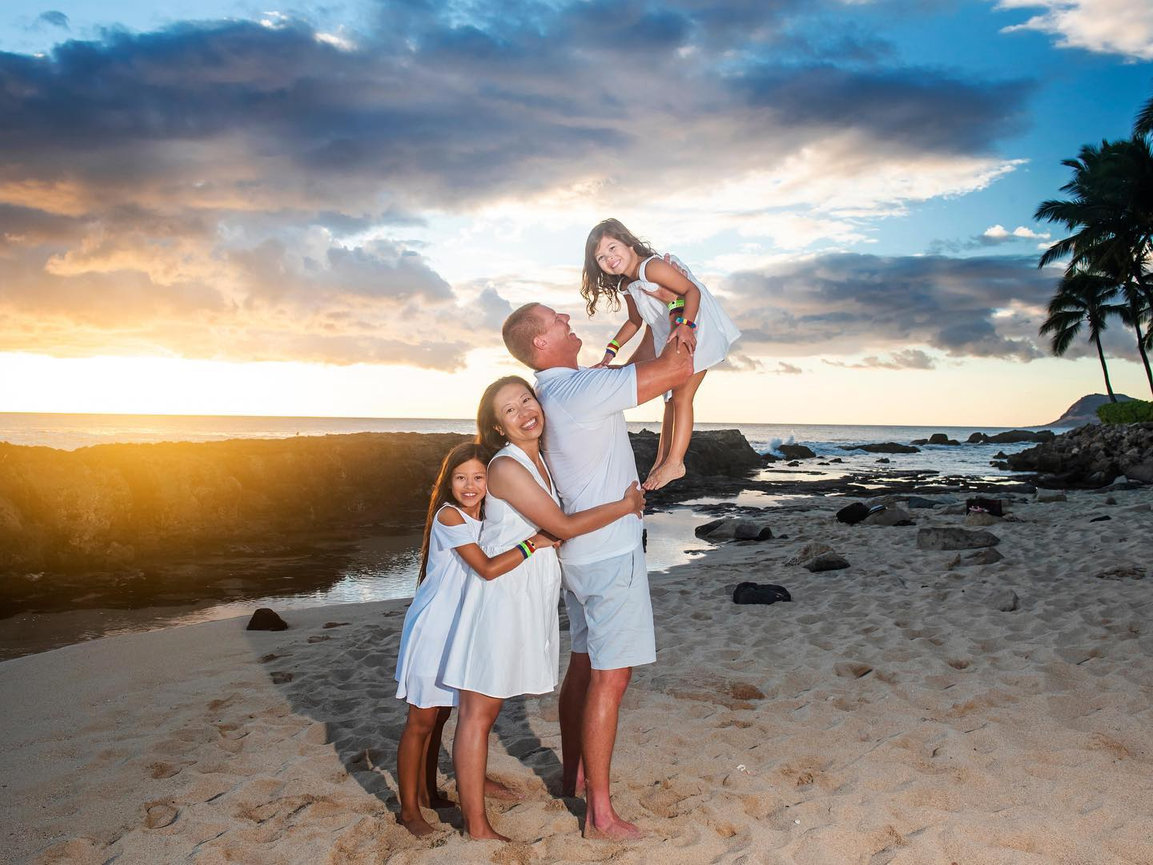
<point>609,610</point>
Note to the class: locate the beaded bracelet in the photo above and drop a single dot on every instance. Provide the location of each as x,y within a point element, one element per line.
<point>682,320</point>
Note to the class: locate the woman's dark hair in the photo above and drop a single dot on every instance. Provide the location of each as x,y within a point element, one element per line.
<point>442,491</point>
<point>594,281</point>
<point>486,419</point>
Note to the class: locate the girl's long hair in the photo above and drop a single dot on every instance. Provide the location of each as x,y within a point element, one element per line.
<point>442,491</point>
<point>594,281</point>
<point>486,419</point>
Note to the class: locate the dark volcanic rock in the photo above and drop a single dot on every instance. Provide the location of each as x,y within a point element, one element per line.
<point>1014,436</point>
<point>265,619</point>
<point>882,448</point>
<point>115,506</point>
<point>795,452</point>
<point>1091,456</point>
<point>951,538</point>
<point>118,507</point>
<point>712,453</point>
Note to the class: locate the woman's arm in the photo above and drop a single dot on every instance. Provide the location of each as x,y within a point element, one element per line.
<point>512,482</point>
<point>486,567</point>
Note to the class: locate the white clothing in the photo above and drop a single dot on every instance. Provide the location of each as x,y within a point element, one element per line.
<point>432,615</point>
<point>507,640</point>
<point>715,331</point>
<point>586,444</point>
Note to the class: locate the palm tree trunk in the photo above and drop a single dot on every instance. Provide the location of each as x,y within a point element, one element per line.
<point>1135,315</point>
<point>1105,369</point>
<point>1144,355</point>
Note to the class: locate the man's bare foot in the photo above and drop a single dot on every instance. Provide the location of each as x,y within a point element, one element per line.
<point>496,790</point>
<point>417,825</point>
<point>665,473</point>
<point>615,829</point>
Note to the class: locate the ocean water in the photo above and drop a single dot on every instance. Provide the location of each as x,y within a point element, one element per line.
<point>385,568</point>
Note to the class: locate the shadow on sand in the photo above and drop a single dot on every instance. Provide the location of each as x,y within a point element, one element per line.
<point>342,676</point>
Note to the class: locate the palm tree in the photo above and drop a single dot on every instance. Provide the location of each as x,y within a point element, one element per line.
<point>1110,215</point>
<point>1082,297</point>
<point>1143,125</point>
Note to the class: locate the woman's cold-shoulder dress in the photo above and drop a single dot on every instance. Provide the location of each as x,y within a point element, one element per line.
<point>432,615</point>
<point>507,639</point>
<point>715,330</point>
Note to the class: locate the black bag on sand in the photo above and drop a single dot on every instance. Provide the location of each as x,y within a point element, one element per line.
<point>856,512</point>
<point>751,593</point>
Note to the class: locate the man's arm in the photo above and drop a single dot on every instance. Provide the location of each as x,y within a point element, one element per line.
<point>672,368</point>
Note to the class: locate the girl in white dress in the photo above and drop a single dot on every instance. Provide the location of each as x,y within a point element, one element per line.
<point>450,549</point>
<point>661,293</point>
<point>507,638</point>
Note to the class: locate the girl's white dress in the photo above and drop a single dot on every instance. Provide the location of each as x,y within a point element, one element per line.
<point>432,615</point>
<point>715,330</point>
<point>507,640</point>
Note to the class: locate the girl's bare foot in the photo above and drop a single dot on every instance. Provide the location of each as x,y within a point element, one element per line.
<point>487,833</point>
<point>417,825</point>
<point>496,790</point>
<point>665,473</point>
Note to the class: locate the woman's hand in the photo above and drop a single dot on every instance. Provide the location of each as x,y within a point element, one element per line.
<point>605,361</point>
<point>542,539</point>
<point>635,496</point>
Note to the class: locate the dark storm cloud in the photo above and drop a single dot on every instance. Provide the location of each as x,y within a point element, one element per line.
<point>976,307</point>
<point>917,109</point>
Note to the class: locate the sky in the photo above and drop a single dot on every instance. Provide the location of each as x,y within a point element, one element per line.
<point>329,208</point>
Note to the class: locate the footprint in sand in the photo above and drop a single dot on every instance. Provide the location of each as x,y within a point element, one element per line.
<point>160,814</point>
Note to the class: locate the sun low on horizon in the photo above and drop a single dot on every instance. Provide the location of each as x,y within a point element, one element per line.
<point>329,212</point>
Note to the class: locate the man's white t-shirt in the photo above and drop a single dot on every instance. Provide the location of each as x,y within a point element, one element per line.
<point>586,445</point>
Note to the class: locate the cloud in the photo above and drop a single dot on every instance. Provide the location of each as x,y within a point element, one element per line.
<point>786,369</point>
<point>904,359</point>
<point>258,188</point>
<point>53,19</point>
<point>994,235</point>
<point>838,305</point>
<point>1122,27</point>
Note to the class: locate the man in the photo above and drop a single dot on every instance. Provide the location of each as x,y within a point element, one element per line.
<point>606,585</point>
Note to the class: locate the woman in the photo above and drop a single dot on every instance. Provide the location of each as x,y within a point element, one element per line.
<point>508,634</point>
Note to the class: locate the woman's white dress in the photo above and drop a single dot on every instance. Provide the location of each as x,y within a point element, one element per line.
<point>715,330</point>
<point>432,615</point>
<point>507,641</point>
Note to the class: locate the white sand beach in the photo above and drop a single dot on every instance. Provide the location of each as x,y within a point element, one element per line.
<point>892,713</point>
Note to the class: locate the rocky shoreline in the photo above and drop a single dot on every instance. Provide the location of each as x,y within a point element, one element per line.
<point>1090,457</point>
<point>132,524</point>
